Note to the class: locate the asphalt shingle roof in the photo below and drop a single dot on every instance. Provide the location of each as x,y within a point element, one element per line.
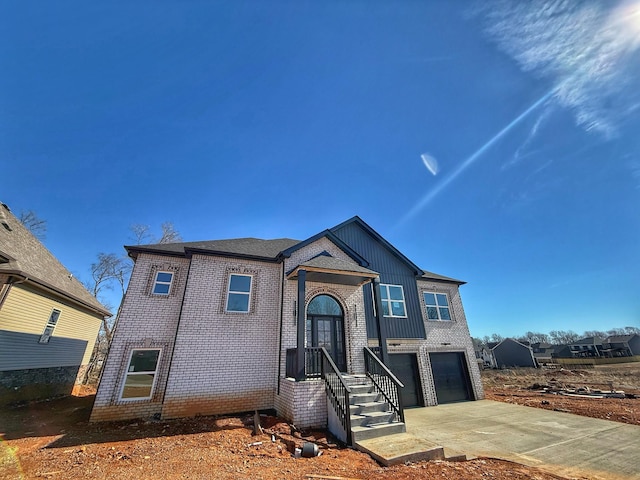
<point>28,257</point>
<point>253,247</point>
<point>331,263</point>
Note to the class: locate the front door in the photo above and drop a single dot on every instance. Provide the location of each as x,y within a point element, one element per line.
<point>325,328</point>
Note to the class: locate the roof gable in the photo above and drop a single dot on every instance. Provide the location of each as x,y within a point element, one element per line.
<point>376,236</point>
<point>334,239</point>
<point>25,256</point>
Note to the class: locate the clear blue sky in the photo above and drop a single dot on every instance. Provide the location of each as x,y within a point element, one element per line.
<point>283,118</point>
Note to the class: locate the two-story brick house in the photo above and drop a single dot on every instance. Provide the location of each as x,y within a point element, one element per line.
<point>237,325</point>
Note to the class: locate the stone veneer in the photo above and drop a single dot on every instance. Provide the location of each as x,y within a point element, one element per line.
<point>38,383</point>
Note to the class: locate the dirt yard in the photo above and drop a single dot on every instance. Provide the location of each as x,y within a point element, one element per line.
<point>526,386</point>
<point>54,440</point>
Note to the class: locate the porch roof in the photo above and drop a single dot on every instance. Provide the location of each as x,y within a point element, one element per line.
<point>325,269</point>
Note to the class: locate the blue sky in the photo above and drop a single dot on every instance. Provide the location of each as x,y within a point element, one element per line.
<point>283,118</point>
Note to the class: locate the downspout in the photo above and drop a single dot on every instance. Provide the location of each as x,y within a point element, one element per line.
<point>281,323</point>
<point>382,326</point>
<point>175,336</point>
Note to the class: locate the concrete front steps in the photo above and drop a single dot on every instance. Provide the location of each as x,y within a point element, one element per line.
<point>371,416</point>
<point>375,430</point>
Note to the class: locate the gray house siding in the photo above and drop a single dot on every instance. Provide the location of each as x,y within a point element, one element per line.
<point>392,271</point>
<point>510,353</point>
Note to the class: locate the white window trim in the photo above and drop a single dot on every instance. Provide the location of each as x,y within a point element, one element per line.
<point>158,282</point>
<point>229,292</point>
<point>49,324</point>
<point>127,373</point>
<point>389,300</point>
<point>448,306</point>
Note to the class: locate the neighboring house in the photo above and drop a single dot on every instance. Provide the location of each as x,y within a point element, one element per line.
<point>511,353</point>
<point>589,347</point>
<point>484,357</point>
<point>225,326</point>
<point>48,321</point>
<point>543,352</point>
<point>621,346</point>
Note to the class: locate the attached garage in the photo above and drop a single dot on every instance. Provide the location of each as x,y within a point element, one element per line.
<point>405,367</point>
<point>451,377</point>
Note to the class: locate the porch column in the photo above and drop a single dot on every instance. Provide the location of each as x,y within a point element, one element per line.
<point>302,276</point>
<point>382,326</point>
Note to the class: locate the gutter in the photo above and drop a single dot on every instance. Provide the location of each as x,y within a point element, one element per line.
<point>56,290</point>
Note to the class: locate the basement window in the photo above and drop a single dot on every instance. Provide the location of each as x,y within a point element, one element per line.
<point>51,325</point>
<point>141,374</point>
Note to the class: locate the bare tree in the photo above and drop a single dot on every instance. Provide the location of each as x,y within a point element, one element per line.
<point>168,234</point>
<point>34,224</point>
<point>110,272</point>
<point>632,330</point>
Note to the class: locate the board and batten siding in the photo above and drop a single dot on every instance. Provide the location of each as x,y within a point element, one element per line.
<point>392,271</point>
<point>23,318</point>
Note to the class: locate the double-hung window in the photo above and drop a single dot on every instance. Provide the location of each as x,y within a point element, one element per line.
<point>162,284</point>
<point>239,293</point>
<point>141,374</point>
<point>437,306</point>
<point>51,325</point>
<point>392,299</point>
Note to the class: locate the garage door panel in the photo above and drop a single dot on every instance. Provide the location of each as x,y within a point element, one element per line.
<point>451,377</point>
<point>405,367</point>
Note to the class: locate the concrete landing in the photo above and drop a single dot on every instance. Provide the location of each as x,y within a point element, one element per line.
<point>400,448</point>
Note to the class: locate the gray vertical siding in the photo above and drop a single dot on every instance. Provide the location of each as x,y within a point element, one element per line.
<point>392,271</point>
<point>513,354</point>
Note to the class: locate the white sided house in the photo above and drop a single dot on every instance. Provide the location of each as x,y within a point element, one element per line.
<point>340,330</point>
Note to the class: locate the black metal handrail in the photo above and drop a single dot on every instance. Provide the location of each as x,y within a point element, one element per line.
<point>312,362</point>
<point>338,392</point>
<point>385,382</point>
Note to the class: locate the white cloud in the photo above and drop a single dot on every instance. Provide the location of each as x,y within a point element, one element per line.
<point>584,48</point>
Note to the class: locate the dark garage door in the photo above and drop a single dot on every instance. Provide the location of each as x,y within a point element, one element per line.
<point>405,367</point>
<point>451,377</point>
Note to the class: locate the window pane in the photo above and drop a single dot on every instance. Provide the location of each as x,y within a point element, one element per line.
<point>324,305</point>
<point>432,313</point>
<point>395,293</point>
<point>429,298</point>
<point>164,277</point>
<point>383,292</point>
<point>442,300</point>
<point>144,361</point>
<point>385,308</point>
<point>238,302</point>
<point>161,288</point>
<point>138,386</point>
<point>54,317</point>
<point>46,335</point>
<point>444,313</point>
<point>240,283</point>
<point>398,309</point>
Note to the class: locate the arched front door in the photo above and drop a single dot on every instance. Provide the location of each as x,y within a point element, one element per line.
<point>325,328</point>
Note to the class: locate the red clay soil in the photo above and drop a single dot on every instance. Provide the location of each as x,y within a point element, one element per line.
<point>54,440</point>
<point>525,387</point>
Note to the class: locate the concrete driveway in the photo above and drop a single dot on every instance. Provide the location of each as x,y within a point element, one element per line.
<point>562,443</point>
